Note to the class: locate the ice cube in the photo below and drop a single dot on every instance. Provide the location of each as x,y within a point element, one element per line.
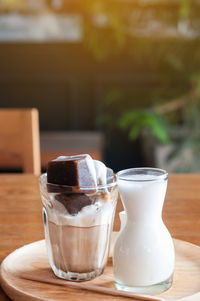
<point>72,171</point>
<point>104,175</point>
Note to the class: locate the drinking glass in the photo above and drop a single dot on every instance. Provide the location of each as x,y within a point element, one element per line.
<point>78,223</point>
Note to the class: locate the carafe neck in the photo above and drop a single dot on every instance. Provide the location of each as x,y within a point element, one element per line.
<point>144,205</point>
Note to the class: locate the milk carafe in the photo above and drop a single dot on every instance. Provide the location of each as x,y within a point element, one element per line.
<point>144,253</point>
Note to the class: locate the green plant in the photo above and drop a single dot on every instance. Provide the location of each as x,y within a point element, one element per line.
<point>121,113</point>
<point>137,121</point>
<point>187,140</point>
<point>118,29</point>
<point>175,121</point>
<point>111,28</point>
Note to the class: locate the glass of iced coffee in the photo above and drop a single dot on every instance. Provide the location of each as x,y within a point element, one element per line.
<point>79,197</point>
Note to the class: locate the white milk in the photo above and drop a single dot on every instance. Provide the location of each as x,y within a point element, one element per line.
<point>144,251</point>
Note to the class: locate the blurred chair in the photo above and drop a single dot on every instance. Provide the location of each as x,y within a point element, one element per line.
<point>19,140</point>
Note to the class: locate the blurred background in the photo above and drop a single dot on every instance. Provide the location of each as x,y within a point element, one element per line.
<point>119,79</point>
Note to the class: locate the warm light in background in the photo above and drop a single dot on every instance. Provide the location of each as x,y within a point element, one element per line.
<point>129,69</point>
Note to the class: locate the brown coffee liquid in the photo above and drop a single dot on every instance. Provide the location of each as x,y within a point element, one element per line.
<point>79,249</point>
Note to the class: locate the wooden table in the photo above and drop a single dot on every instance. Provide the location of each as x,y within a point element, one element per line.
<point>21,219</point>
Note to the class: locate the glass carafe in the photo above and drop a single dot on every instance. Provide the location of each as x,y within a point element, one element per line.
<point>144,253</point>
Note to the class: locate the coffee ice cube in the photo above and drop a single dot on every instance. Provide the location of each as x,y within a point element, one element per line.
<point>73,202</point>
<point>72,171</point>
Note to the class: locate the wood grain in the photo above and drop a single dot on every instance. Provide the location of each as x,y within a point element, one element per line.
<point>32,260</point>
<point>21,218</point>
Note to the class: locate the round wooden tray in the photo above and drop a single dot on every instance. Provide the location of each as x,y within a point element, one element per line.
<point>32,259</point>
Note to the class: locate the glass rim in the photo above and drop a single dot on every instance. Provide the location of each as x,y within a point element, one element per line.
<point>161,174</point>
<point>57,187</point>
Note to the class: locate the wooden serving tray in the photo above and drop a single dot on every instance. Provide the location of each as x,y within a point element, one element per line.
<point>32,259</point>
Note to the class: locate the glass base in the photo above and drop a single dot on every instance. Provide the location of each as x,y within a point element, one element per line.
<point>150,290</point>
<point>77,276</point>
